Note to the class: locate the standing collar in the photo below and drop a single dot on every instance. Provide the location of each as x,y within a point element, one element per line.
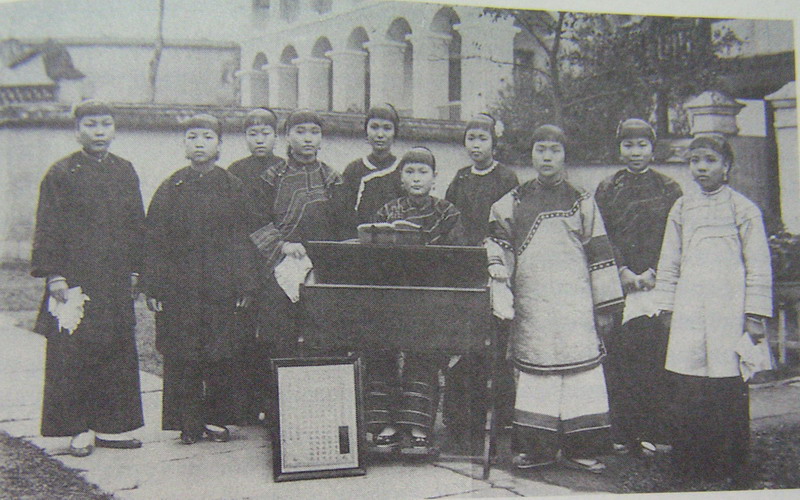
<point>373,163</point>
<point>485,171</point>
<point>646,169</point>
<point>716,191</point>
<point>97,159</point>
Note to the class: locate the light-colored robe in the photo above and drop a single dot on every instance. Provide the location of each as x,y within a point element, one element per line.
<point>553,242</point>
<point>714,268</point>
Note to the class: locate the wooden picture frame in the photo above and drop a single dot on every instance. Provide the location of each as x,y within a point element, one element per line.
<point>319,429</point>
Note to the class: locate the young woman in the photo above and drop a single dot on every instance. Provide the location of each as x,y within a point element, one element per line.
<point>714,282</point>
<point>198,273</point>
<point>380,127</point>
<point>473,191</point>
<point>548,239</point>
<point>89,234</point>
<point>635,202</point>
<point>260,133</point>
<point>298,204</point>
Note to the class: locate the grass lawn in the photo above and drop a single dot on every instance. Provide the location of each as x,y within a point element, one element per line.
<point>27,472</point>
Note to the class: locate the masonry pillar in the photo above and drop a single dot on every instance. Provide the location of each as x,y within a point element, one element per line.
<point>713,112</point>
<point>784,104</point>
<point>254,88</point>
<point>431,74</point>
<point>349,79</point>
<point>282,86</point>
<point>313,83</point>
<point>387,73</point>
<point>487,62</point>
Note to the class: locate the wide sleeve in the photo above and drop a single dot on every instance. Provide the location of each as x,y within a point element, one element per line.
<point>603,273</point>
<point>344,205</point>
<point>267,238</point>
<point>453,191</point>
<point>154,280</point>
<point>49,239</point>
<point>451,229</point>
<point>757,264</point>
<point>603,197</point>
<point>499,246</point>
<point>669,263</point>
<point>245,251</point>
<point>136,224</point>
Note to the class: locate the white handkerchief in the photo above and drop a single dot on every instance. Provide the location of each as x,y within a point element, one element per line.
<point>70,313</point>
<point>753,358</point>
<point>639,303</point>
<point>291,273</point>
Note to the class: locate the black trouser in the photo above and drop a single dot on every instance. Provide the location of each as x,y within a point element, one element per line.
<point>543,444</point>
<point>200,392</point>
<point>711,426</point>
<point>466,397</point>
<point>636,379</point>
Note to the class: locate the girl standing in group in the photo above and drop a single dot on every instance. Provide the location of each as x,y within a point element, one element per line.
<point>260,134</point>
<point>198,273</point>
<point>548,241</point>
<point>89,227</point>
<point>635,202</point>
<point>473,191</point>
<point>298,200</point>
<point>380,126</point>
<point>714,282</point>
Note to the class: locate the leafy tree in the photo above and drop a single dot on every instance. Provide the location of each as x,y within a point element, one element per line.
<point>592,70</point>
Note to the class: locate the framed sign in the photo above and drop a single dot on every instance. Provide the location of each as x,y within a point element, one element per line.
<point>320,430</point>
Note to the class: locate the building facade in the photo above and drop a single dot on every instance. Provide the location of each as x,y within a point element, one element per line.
<point>430,61</point>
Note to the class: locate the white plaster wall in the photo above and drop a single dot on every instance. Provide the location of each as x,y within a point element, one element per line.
<point>26,153</point>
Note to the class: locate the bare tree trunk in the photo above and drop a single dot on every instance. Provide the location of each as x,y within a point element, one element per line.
<point>157,49</point>
<point>555,71</point>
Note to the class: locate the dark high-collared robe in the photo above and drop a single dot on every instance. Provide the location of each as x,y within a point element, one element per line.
<point>473,192</point>
<point>89,229</point>
<point>352,184</point>
<point>250,169</point>
<point>199,261</point>
<point>635,207</point>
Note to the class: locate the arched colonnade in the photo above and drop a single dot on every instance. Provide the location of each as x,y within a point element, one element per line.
<point>433,62</point>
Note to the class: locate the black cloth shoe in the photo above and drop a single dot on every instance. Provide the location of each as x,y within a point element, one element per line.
<point>122,444</point>
<point>188,437</point>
